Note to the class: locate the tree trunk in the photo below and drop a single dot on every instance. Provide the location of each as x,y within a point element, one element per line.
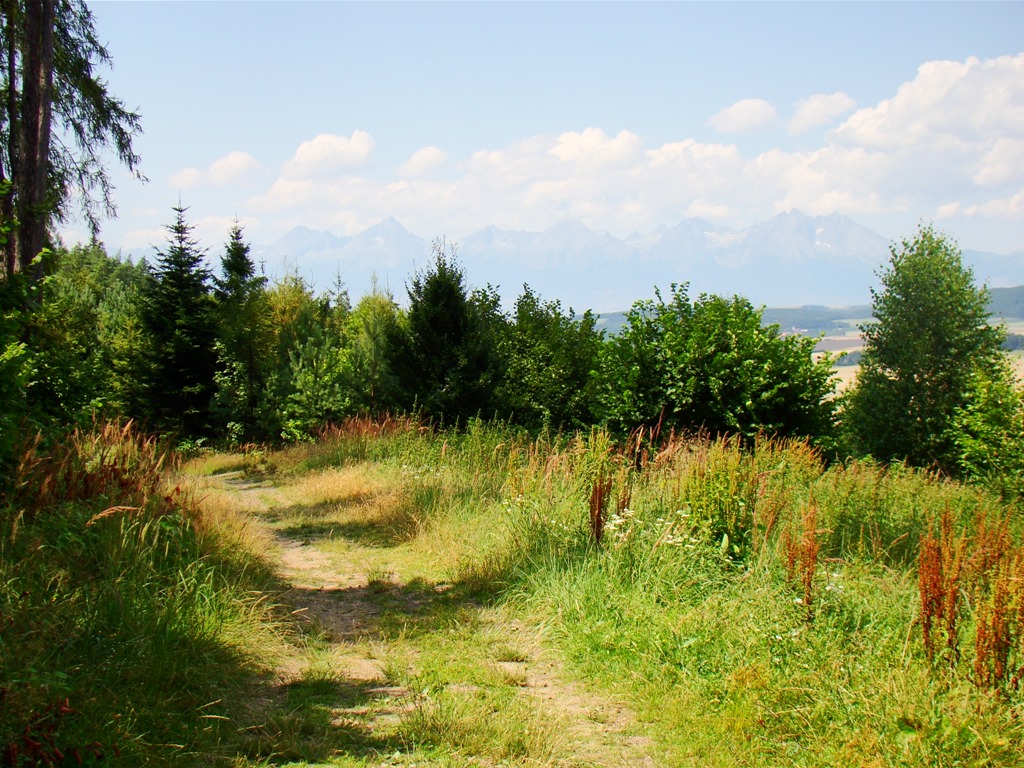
<point>34,134</point>
<point>9,117</point>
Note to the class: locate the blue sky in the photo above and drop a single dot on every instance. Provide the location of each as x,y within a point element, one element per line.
<point>627,116</point>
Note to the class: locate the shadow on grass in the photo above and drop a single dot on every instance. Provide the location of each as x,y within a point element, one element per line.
<point>316,522</point>
<point>383,611</point>
<point>325,715</point>
<point>315,720</point>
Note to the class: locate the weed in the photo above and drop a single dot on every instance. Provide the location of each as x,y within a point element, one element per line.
<point>942,563</point>
<point>802,555</point>
<point>600,491</point>
<point>380,579</point>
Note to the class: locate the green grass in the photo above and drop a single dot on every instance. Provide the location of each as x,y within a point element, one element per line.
<point>687,608</point>
<point>692,609</point>
<point>121,614</point>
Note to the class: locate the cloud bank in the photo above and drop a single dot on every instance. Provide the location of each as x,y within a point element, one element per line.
<point>948,143</point>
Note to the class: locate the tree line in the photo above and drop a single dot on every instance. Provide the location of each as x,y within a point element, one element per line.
<point>196,353</point>
<point>226,354</point>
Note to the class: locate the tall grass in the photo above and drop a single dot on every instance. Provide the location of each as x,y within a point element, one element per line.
<point>119,608</point>
<point>757,604</point>
<point>754,603</point>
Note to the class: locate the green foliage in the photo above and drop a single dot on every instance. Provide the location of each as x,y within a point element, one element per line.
<point>309,384</point>
<point>926,351</point>
<point>986,433</point>
<point>444,355</point>
<point>14,374</point>
<point>86,333</point>
<point>244,342</point>
<point>547,358</point>
<point>374,321</point>
<point>711,365</point>
<point>180,324</point>
<point>317,374</point>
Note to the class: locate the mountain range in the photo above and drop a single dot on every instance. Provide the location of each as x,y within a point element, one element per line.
<point>790,260</point>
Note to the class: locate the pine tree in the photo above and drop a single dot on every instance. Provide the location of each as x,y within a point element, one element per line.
<point>181,327</point>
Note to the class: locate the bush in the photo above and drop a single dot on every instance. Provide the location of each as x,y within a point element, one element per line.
<point>711,365</point>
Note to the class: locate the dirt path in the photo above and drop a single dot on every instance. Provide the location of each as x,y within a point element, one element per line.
<point>384,634</point>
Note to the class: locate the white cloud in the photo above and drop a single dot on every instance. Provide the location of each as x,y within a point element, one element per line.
<point>948,105</point>
<point>1004,208</point>
<point>818,110</point>
<point>932,148</point>
<point>594,148</point>
<point>745,116</point>
<point>232,168</point>
<point>187,178</point>
<point>423,162</point>
<point>1002,164</point>
<point>328,155</point>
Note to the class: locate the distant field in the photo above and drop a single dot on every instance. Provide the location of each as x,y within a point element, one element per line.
<point>840,343</point>
<point>847,373</point>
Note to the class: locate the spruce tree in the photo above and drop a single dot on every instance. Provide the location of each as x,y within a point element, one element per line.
<point>243,340</point>
<point>181,327</point>
<point>445,358</point>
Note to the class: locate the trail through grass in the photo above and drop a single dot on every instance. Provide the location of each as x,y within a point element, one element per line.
<point>399,664</point>
<point>715,605</point>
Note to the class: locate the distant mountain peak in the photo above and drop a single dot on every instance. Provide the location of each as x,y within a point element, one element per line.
<point>790,259</point>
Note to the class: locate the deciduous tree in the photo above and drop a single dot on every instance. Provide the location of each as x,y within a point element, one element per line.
<point>711,365</point>
<point>375,320</point>
<point>547,357</point>
<point>927,349</point>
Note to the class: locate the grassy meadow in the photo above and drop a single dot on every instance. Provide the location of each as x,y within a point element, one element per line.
<point>746,606</point>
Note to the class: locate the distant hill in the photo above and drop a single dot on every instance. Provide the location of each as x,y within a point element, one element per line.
<point>815,320</point>
<point>789,260</point>
<point>1007,302</point>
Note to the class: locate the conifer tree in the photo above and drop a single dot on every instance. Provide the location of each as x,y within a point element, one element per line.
<point>58,124</point>
<point>244,341</point>
<point>445,358</point>
<point>181,327</point>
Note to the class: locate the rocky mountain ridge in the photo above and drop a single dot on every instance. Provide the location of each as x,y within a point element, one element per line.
<point>790,260</point>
